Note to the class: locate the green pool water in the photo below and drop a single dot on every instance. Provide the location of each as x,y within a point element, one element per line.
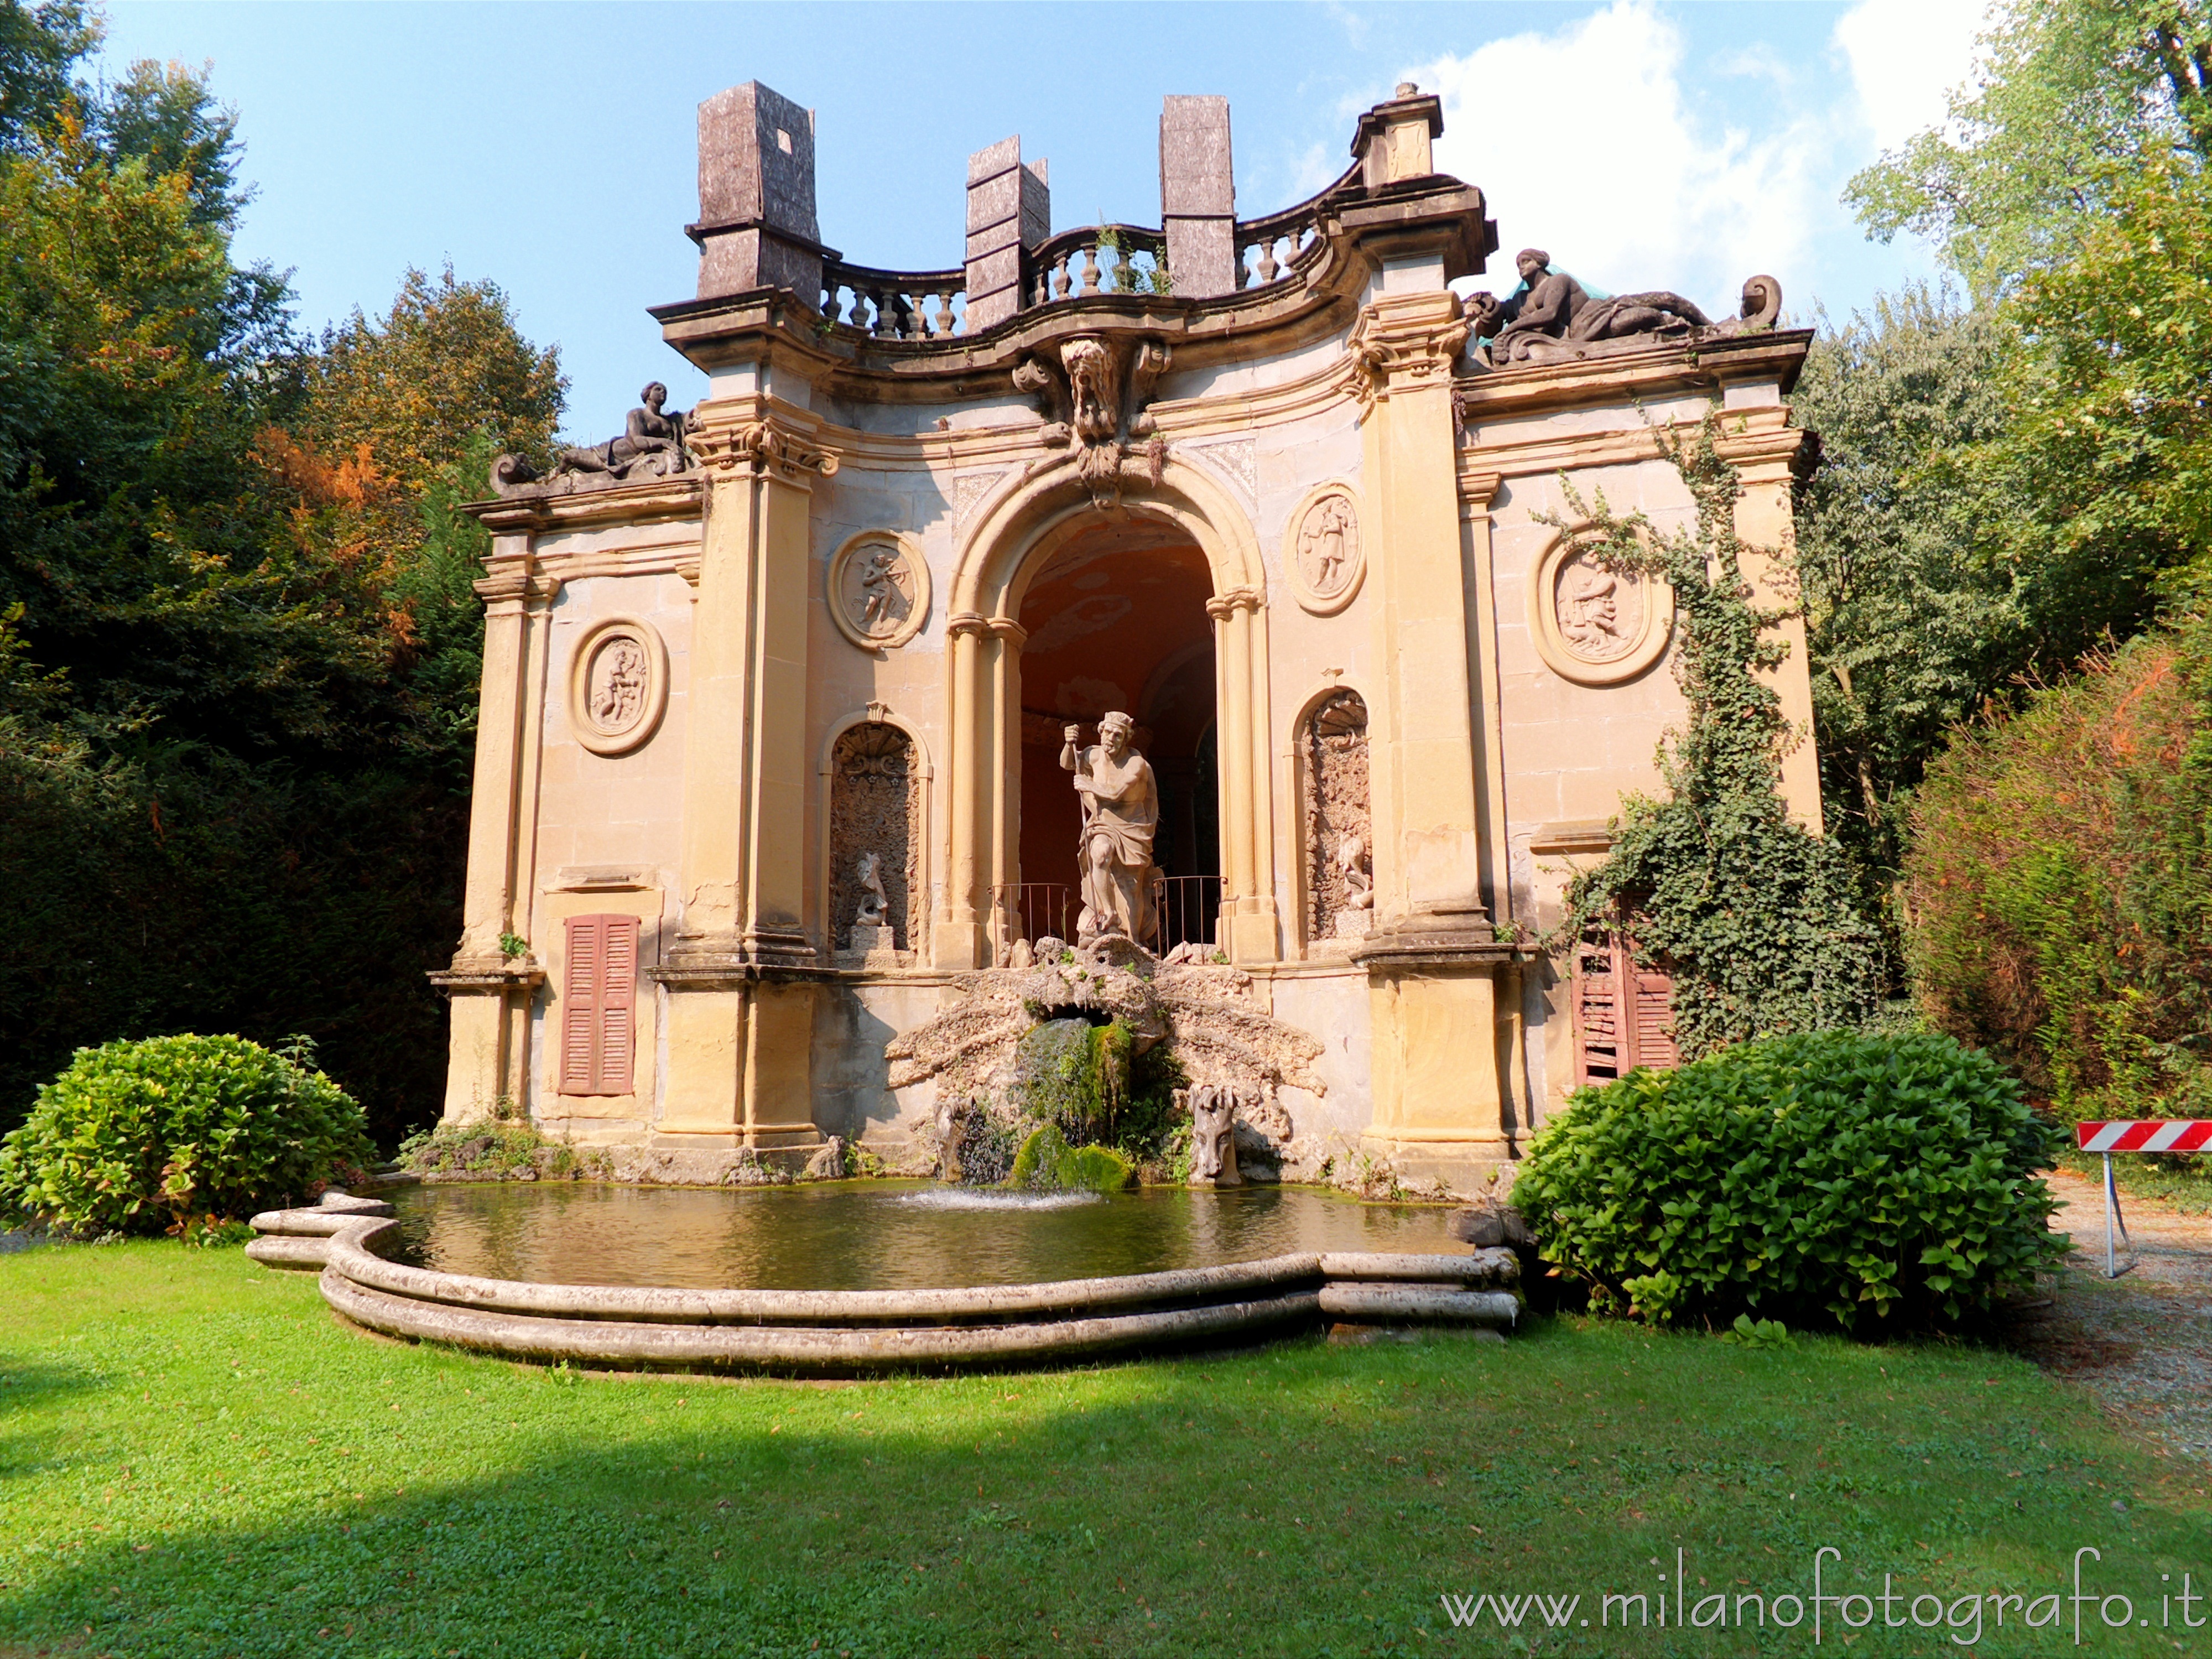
<point>878,1235</point>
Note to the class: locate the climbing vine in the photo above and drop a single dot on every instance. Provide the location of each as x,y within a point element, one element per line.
<point>1759,922</point>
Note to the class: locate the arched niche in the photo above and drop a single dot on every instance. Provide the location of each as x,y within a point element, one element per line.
<point>996,560</point>
<point>876,782</point>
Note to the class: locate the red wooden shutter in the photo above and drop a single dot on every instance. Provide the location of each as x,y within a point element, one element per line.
<point>1594,996</point>
<point>1623,1011</point>
<point>618,1005</point>
<point>599,1006</point>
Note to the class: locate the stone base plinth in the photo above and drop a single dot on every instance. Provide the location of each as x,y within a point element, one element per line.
<point>1467,1168</point>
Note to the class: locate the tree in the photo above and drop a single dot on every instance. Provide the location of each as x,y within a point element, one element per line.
<point>2072,98</point>
<point>233,731</point>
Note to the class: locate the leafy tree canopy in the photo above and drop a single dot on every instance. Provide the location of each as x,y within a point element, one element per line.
<point>2070,97</point>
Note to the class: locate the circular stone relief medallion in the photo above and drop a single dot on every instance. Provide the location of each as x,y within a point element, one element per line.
<point>1322,551</point>
<point>1594,626</point>
<point>879,590</point>
<point>617,685</point>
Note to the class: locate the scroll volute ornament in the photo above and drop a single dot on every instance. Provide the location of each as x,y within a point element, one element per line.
<point>618,685</point>
<point>761,445</point>
<point>1594,626</point>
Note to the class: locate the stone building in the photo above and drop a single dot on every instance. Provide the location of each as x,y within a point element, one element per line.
<point>1266,484</point>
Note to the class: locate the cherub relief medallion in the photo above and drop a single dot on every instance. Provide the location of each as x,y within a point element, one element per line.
<point>879,590</point>
<point>1595,626</point>
<point>617,685</point>
<point>1322,553</point>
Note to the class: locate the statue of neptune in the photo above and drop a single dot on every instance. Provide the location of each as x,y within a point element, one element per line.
<point>1120,810</point>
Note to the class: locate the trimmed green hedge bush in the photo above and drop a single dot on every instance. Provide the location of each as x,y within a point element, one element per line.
<point>1827,1174</point>
<point>150,1136</point>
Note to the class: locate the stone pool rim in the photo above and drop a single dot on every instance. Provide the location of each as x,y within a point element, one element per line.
<point>855,1332</point>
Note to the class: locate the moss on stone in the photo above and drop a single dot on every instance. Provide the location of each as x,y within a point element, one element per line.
<point>1047,1163</point>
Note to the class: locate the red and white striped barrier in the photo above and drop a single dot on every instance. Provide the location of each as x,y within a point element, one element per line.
<point>2150,1135</point>
<point>2140,1134</point>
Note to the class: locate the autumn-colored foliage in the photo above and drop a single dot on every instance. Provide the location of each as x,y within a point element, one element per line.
<point>2059,887</point>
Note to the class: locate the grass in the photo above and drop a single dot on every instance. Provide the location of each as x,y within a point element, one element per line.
<point>196,1458</point>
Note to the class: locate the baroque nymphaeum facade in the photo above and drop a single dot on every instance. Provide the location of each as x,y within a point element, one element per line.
<point>782,693</point>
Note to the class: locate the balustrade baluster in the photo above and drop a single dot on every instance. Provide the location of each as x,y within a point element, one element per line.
<point>945,320</point>
<point>1268,265</point>
<point>1089,270</point>
<point>1061,282</point>
<point>858,317</point>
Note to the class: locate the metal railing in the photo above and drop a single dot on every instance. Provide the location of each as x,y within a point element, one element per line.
<point>1033,910</point>
<point>1190,909</point>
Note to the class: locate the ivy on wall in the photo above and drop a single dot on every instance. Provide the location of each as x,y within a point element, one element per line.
<point>1760,923</point>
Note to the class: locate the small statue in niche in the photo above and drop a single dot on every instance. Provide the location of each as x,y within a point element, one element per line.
<point>1213,1136</point>
<point>875,904</point>
<point>616,699</point>
<point>652,444</point>
<point>1120,811</point>
<point>1358,879</point>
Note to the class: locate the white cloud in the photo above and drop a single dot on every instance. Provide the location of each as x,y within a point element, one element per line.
<point>1585,146</point>
<point>1906,56</point>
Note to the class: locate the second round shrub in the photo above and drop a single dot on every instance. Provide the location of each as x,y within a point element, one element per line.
<point>1828,1175</point>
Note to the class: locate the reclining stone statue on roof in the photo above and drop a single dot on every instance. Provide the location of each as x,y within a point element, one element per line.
<point>650,446</point>
<point>1552,317</point>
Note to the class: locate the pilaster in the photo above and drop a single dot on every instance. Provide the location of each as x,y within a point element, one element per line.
<point>740,1031</point>
<point>487,1059</point>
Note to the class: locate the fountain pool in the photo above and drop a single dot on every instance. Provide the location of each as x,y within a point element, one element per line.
<point>878,1235</point>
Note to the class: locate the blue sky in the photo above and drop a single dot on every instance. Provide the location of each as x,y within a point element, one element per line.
<point>552,147</point>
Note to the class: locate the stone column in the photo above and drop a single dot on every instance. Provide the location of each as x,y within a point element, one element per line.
<point>1198,198</point>
<point>756,227</point>
<point>487,1055</point>
<point>1247,930</point>
<point>740,1020</point>
<point>1009,212</point>
<point>962,936</point>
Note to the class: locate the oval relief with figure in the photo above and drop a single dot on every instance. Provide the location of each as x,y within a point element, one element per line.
<point>1597,626</point>
<point>879,590</point>
<point>1322,551</point>
<point>617,685</point>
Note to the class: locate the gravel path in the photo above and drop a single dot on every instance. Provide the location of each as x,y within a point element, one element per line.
<point>2144,1341</point>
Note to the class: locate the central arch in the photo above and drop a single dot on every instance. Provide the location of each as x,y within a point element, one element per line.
<point>998,560</point>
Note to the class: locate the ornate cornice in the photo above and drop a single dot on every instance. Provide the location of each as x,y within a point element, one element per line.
<point>1403,341</point>
<point>763,447</point>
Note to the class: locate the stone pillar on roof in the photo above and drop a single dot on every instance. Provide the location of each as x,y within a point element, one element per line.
<point>1009,211</point>
<point>756,227</point>
<point>1198,196</point>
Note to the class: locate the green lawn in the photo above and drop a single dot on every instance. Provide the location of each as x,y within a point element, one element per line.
<point>196,1459</point>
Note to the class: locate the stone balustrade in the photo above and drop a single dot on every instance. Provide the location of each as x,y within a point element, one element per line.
<point>1095,259</point>
<point>1090,262</point>
<point>894,305</point>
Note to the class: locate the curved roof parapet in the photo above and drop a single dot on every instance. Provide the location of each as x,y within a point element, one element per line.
<point>1200,262</point>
